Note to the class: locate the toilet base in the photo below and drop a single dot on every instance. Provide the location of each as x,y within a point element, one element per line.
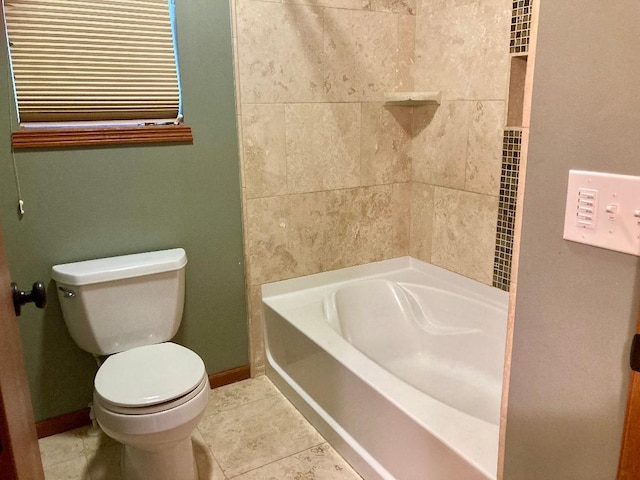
<point>177,461</point>
<point>157,445</point>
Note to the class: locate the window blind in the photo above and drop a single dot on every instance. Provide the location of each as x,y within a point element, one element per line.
<point>83,60</point>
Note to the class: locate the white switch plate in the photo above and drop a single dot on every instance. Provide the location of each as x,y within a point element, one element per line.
<point>603,209</point>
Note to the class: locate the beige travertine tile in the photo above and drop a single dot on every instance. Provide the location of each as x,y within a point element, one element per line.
<point>406,52</point>
<point>440,145</point>
<point>484,150</point>
<point>264,150</point>
<point>295,235</point>
<point>260,440</point>
<point>401,204</point>
<point>240,150</point>
<point>393,6</point>
<point>208,468</point>
<point>317,463</point>
<point>236,75</point>
<point>266,235</point>
<point>464,233</point>
<point>350,4</point>
<point>245,240</point>
<point>323,146</point>
<point>421,221</point>
<point>360,55</point>
<point>462,48</point>
<point>256,331</point>
<point>73,469</point>
<point>248,437</point>
<point>234,26</point>
<point>341,228</point>
<point>61,447</point>
<point>386,144</point>
<point>104,463</point>
<point>239,394</point>
<point>279,52</point>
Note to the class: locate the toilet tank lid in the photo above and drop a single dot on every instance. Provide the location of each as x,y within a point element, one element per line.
<point>119,268</point>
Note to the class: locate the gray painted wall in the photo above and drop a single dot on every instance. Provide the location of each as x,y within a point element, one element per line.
<point>88,203</point>
<point>576,305</point>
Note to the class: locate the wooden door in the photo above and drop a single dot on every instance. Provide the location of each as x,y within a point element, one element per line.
<point>20,455</point>
<point>629,466</point>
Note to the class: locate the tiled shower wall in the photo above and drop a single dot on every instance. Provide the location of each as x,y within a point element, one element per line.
<point>326,168</point>
<point>461,49</point>
<point>332,177</point>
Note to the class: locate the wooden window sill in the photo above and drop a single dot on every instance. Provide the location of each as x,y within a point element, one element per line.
<point>94,137</point>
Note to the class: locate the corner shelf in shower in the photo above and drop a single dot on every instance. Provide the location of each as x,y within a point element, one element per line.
<point>413,99</point>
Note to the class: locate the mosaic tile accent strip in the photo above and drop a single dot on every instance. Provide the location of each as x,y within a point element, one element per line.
<point>511,148</point>
<point>520,26</point>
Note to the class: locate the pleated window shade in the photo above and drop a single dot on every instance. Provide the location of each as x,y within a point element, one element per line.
<point>83,60</point>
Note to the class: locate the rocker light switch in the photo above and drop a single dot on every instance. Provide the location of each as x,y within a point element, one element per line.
<point>602,210</point>
<point>586,208</point>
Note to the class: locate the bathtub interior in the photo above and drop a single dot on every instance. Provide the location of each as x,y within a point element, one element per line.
<point>323,317</point>
<point>446,344</point>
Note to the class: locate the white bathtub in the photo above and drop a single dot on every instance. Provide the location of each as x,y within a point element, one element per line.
<point>397,363</point>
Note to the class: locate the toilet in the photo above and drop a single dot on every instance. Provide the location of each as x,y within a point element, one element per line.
<point>149,393</point>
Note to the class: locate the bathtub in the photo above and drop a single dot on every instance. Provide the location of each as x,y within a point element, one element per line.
<point>398,364</point>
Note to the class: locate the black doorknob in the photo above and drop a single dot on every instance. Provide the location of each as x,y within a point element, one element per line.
<point>635,353</point>
<point>37,295</point>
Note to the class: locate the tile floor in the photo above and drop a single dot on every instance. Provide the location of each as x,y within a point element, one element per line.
<point>249,432</point>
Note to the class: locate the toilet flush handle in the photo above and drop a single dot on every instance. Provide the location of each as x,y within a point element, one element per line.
<point>66,292</point>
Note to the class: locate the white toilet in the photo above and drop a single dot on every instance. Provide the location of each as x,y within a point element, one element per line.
<point>149,393</point>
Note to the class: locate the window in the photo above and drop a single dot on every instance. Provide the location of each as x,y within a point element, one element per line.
<point>106,71</point>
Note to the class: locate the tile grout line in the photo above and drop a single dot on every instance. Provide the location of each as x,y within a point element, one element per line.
<point>91,452</point>
<point>215,459</point>
<point>285,457</point>
<point>242,405</point>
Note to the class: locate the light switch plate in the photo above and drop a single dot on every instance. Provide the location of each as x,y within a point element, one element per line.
<point>603,210</point>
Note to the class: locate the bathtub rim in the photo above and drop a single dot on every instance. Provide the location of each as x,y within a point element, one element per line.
<point>495,296</point>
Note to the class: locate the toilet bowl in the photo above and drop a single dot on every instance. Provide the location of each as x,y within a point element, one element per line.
<point>150,399</point>
<point>150,393</point>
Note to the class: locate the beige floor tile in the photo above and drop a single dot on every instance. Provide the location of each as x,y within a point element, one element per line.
<point>208,468</point>
<point>250,430</point>
<point>256,434</point>
<point>104,463</point>
<point>60,448</point>
<point>240,393</point>
<point>318,463</point>
<point>74,469</point>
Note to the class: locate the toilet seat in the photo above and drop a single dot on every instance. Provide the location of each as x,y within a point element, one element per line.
<point>161,407</point>
<point>150,379</point>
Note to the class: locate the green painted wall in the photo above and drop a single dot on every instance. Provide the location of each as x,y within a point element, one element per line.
<point>89,203</point>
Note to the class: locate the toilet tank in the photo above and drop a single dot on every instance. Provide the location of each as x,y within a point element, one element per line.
<point>118,303</point>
